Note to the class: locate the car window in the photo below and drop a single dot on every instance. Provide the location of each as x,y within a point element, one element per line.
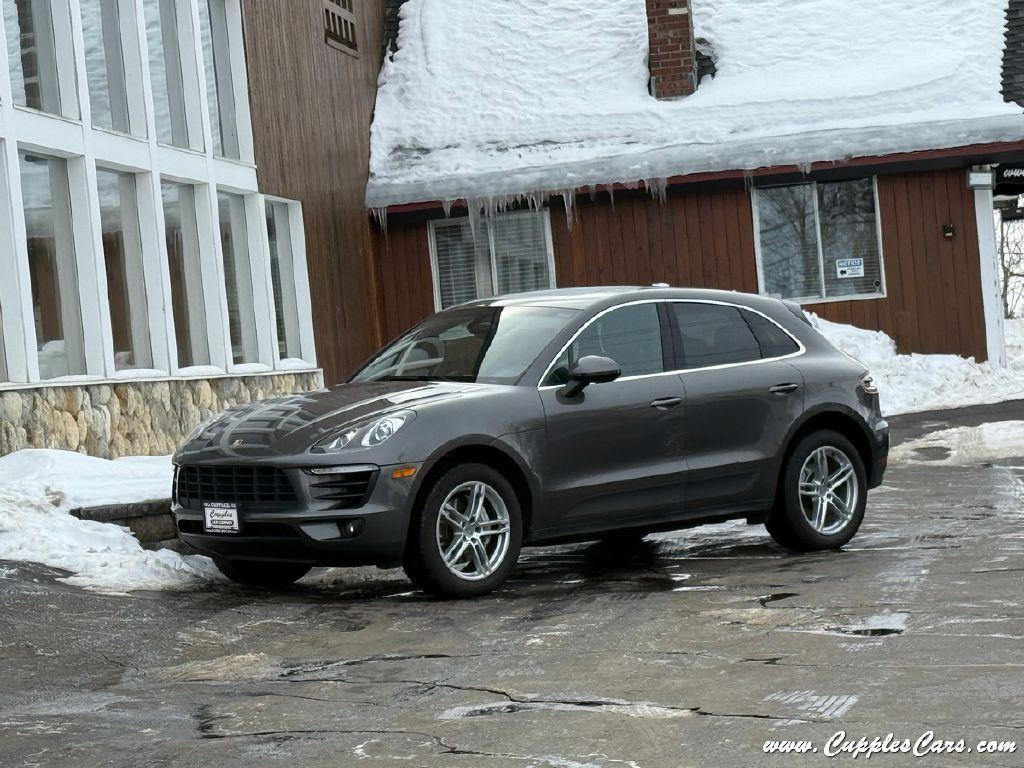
<point>631,336</point>
<point>774,341</point>
<point>713,334</point>
<point>493,345</point>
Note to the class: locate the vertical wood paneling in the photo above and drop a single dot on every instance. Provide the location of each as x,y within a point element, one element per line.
<point>705,238</point>
<point>311,109</point>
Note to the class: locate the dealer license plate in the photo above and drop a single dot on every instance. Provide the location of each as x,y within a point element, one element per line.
<point>221,518</point>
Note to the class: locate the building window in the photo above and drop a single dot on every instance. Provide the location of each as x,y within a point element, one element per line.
<point>39,55</point>
<point>186,270</point>
<point>52,267</point>
<point>220,89</point>
<point>282,275</point>
<point>168,30</point>
<point>506,253</point>
<point>126,283</point>
<point>104,64</point>
<point>340,25</point>
<point>234,240</point>
<point>820,242</point>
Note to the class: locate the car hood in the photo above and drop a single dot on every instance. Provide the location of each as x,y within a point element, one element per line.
<point>289,426</point>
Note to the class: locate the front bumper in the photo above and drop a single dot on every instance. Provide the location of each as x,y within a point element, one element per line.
<point>879,452</point>
<point>308,531</point>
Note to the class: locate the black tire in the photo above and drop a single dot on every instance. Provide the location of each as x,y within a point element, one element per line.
<point>258,574</point>
<point>788,524</point>
<point>423,561</point>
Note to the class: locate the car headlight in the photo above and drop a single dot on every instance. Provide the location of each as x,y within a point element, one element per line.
<point>384,429</point>
<point>369,434</point>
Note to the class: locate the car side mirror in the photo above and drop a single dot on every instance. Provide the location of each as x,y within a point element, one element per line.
<point>591,370</point>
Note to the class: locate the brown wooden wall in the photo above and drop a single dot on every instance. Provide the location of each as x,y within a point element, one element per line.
<point>704,237</point>
<point>312,106</point>
<point>933,283</point>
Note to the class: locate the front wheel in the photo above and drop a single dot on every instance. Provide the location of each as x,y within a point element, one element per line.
<point>465,540</point>
<point>254,574</point>
<point>823,495</point>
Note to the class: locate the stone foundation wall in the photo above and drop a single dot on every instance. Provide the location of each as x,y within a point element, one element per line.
<point>143,418</point>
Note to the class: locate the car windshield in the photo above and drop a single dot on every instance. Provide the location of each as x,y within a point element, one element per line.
<point>489,345</point>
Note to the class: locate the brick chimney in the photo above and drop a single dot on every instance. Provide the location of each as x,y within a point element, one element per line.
<point>673,60</point>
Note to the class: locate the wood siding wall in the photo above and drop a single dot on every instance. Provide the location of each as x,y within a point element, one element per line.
<point>312,105</point>
<point>704,237</point>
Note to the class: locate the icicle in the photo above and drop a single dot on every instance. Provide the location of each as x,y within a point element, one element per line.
<point>611,194</point>
<point>381,215</point>
<point>805,168</point>
<point>568,198</point>
<point>593,192</point>
<point>658,188</point>
<point>447,205</point>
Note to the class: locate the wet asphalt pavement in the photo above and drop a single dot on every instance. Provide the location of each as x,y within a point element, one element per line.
<point>691,649</point>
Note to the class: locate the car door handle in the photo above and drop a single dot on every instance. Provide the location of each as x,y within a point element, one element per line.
<point>784,389</point>
<point>667,402</point>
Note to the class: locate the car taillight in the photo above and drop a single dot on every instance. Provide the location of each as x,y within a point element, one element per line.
<point>868,385</point>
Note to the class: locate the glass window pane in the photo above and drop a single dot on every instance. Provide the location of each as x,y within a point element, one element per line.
<point>714,335</point>
<point>521,252</point>
<point>630,336</point>
<point>54,273</point>
<point>32,54</point>
<point>282,275</point>
<point>774,341</point>
<point>220,92</point>
<point>183,259</point>
<point>104,63</point>
<point>126,285</point>
<point>238,278</point>
<point>789,242</point>
<point>463,262</point>
<point>165,69</point>
<point>849,238</point>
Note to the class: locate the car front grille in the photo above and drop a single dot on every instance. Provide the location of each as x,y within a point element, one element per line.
<point>198,485</point>
<point>349,490</point>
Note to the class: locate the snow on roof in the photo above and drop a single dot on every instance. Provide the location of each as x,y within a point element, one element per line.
<point>502,97</point>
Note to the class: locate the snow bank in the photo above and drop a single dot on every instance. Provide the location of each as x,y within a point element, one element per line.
<point>502,97</point>
<point>39,488</point>
<point>959,446</point>
<point>913,383</point>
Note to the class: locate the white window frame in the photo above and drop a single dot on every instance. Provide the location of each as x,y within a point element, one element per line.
<point>881,293</point>
<point>299,278</point>
<point>548,244</point>
<point>85,147</point>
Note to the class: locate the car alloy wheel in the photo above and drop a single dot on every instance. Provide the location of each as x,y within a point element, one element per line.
<point>829,490</point>
<point>473,531</point>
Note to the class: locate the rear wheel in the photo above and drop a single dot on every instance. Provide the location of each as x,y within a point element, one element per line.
<point>823,495</point>
<point>466,538</point>
<point>257,574</point>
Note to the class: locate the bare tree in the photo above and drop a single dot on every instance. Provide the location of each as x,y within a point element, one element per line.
<point>1010,238</point>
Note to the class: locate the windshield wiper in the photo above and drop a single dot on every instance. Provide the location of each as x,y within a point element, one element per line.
<point>464,379</point>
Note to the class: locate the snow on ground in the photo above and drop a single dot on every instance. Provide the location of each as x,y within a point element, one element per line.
<point>500,97</point>
<point>39,488</point>
<point>961,446</point>
<point>914,383</point>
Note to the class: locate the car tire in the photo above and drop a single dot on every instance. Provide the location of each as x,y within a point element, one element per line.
<point>259,574</point>
<point>798,521</point>
<point>482,546</point>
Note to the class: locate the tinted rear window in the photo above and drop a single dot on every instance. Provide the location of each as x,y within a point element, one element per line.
<point>774,341</point>
<point>713,334</point>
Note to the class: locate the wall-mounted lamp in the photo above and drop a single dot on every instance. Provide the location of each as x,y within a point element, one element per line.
<point>948,230</point>
<point>980,178</point>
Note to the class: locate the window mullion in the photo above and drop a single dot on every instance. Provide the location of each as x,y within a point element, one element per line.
<point>818,239</point>
<point>87,225</point>
<point>259,274</point>
<point>16,291</point>
<point>304,307</point>
<point>492,254</point>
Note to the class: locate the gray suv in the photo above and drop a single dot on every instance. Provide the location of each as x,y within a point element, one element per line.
<point>565,415</point>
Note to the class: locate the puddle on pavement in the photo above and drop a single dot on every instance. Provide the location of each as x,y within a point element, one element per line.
<point>964,446</point>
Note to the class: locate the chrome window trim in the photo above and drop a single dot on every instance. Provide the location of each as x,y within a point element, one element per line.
<point>801,349</point>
